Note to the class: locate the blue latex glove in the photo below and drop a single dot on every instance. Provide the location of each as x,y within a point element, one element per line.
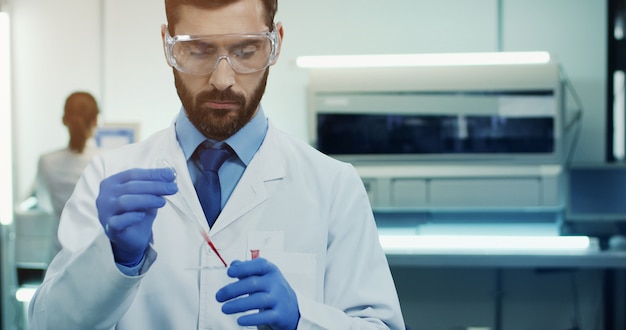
<point>261,286</point>
<point>127,206</point>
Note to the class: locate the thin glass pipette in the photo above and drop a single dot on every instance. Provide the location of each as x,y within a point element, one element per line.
<point>203,233</point>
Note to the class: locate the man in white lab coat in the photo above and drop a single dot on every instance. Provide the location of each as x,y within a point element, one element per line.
<point>296,245</point>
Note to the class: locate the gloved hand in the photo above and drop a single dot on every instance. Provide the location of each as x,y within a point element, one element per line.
<point>127,206</point>
<point>266,290</point>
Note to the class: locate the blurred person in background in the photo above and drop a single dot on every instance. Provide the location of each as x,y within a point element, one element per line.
<point>59,170</point>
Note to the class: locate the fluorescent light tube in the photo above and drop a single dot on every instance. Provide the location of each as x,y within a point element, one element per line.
<point>6,175</point>
<point>419,243</point>
<point>25,294</point>
<point>619,115</point>
<point>405,60</point>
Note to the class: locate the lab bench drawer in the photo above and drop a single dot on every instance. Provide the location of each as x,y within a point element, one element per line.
<point>485,192</point>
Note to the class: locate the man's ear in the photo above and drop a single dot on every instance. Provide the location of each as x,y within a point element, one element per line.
<point>281,34</point>
<point>163,31</point>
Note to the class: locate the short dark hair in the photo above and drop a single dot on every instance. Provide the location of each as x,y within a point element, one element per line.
<point>172,8</point>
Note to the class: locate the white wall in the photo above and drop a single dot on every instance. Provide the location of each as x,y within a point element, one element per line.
<point>574,31</point>
<point>138,83</point>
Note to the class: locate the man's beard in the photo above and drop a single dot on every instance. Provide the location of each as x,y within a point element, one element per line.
<point>219,124</point>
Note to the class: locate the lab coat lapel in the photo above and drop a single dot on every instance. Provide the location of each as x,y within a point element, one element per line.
<point>267,165</point>
<point>185,200</point>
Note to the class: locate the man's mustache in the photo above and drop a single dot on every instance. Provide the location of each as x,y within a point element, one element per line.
<point>221,96</point>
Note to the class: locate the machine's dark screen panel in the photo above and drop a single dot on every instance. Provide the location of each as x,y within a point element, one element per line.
<point>597,190</point>
<point>371,134</point>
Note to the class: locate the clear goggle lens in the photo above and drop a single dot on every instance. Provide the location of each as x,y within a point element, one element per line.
<point>200,55</point>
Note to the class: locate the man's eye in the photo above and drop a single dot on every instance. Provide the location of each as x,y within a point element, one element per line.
<point>245,52</point>
<point>199,50</point>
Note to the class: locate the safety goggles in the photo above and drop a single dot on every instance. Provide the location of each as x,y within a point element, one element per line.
<point>200,54</point>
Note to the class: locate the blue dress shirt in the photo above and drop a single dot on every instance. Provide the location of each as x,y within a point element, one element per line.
<point>245,143</point>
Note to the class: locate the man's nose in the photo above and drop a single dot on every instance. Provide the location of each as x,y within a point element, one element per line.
<point>223,76</point>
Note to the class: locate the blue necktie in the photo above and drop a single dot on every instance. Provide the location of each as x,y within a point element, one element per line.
<point>208,185</point>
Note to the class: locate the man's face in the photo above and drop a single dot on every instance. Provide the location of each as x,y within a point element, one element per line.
<point>222,102</point>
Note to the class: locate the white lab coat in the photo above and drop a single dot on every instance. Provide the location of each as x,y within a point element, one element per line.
<point>304,211</point>
<point>57,174</point>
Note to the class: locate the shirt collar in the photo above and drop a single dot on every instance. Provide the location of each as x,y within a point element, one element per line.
<point>244,142</point>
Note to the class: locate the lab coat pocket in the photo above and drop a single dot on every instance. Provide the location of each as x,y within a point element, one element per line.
<point>298,268</point>
<point>213,276</point>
